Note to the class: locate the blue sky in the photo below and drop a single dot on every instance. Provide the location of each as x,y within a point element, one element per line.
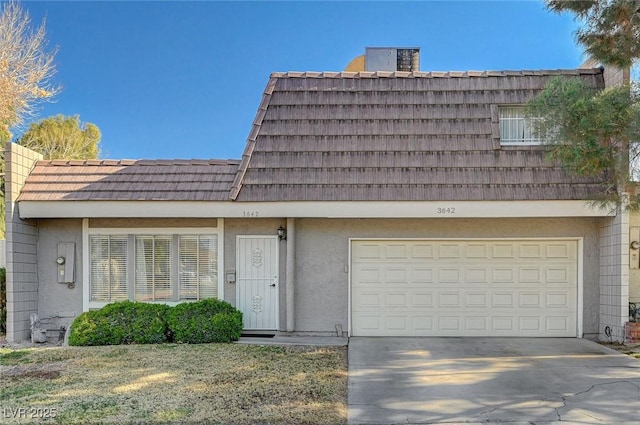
<point>184,79</point>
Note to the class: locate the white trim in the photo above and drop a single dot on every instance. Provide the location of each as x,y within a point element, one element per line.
<point>310,209</point>
<point>221,280</point>
<point>580,265</point>
<point>87,231</point>
<point>580,304</point>
<point>85,265</point>
<point>153,231</point>
<point>290,271</point>
<point>349,276</point>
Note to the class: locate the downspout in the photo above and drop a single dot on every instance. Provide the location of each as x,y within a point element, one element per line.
<point>291,269</point>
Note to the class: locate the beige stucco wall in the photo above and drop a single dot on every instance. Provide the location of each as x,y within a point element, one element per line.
<point>322,260</point>
<point>322,255</point>
<point>58,304</point>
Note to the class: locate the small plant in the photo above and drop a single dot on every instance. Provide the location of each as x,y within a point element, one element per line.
<point>123,322</point>
<point>209,320</point>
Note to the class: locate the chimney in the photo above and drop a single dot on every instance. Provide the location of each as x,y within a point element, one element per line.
<point>392,59</point>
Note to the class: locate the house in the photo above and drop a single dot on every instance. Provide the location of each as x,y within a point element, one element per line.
<point>367,203</point>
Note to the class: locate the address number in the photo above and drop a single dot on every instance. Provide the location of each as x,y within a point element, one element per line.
<point>250,214</point>
<point>449,210</point>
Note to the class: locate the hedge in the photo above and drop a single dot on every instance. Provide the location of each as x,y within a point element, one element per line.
<point>209,320</point>
<point>129,322</point>
<point>122,322</point>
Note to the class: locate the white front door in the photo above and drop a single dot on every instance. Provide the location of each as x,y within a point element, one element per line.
<point>257,281</point>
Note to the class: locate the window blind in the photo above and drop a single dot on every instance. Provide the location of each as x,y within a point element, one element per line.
<point>108,269</point>
<point>198,277</point>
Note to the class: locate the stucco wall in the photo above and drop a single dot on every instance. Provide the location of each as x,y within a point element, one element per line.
<point>58,303</point>
<point>322,255</point>
<point>235,227</point>
<point>322,260</point>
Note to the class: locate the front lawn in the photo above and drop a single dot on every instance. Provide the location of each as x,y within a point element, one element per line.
<point>174,383</point>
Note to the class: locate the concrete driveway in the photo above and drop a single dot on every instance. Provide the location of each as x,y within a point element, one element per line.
<point>490,380</point>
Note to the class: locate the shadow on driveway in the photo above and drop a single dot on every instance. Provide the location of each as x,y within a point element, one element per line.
<point>490,380</point>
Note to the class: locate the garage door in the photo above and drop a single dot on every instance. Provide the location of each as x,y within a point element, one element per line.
<point>464,288</point>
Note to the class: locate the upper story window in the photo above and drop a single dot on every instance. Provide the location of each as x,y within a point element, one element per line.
<point>516,128</point>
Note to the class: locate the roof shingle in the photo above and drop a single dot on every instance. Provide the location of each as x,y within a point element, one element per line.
<point>393,136</point>
<point>127,180</point>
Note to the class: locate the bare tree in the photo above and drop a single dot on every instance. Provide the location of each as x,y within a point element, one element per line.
<point>26,68</point>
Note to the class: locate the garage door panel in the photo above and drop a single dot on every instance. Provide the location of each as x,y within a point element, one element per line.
<point>477,275</point>
<point>530,274</point>
<point>476,300</point>
<point>448,251</point>
<point>422,325</point>
<point>502,325</point>
<point>530,300</point>
<point>422,251</point>
<point>559,324</point>
<point>560,274</point>
<point>557,300</point>
<point>504,251</point>
<point>477,324</point>
<point>531,250</point>
<point>368,275</point>
<point>422,299</point>
<point>396,300</point>
<point>449,299</point>
<point>559,251</point>
<point>421,275</point>
<point>367,299</point>
<point>449,275</point>
<point>502,299</point>
<point>503,274</point>
<point>457,288</point>
<point>478,251</point>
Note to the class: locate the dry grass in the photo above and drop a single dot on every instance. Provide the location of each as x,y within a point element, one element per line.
<point>632,350</point>
<point>153,384</point>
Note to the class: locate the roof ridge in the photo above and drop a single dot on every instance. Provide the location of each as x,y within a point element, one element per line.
<point>128,162</point>
<point>436,74</point>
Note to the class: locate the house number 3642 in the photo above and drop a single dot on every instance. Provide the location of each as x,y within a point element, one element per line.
<point>448,210</point>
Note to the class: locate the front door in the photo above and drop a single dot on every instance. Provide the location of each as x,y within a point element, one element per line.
<point>257,281</point>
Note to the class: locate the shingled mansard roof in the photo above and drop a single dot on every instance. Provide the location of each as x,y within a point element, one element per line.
<point>367,136</point>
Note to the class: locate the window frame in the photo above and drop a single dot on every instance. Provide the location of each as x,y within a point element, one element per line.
<point>498,120</point>
<point>131,233</point>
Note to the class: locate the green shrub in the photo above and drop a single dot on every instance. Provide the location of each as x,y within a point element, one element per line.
<point>93,328</point>
<point>123,322</point>
<point>129,322</point>
<point>209,320</point>
<point>3,300</point>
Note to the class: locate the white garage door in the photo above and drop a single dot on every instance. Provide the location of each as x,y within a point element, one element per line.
<point>464,288</point>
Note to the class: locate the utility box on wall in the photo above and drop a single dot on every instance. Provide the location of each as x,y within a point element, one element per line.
<point>66,262</point>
